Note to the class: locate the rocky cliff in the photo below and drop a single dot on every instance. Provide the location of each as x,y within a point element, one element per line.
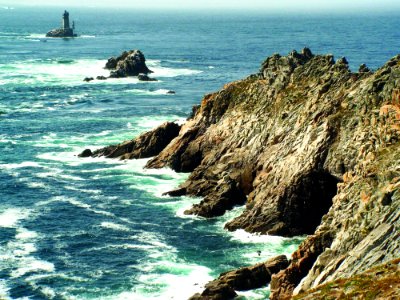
<point>309,147</point>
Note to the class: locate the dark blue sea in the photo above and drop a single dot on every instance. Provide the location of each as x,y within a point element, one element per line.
<point>74,228</point>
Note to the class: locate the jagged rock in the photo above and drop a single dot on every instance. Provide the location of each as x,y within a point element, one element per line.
<point>144,146</point>
<point>101,78</point>
<point>243,279</point>
<point>283,283</point>
<point>144,77</point>
<point>129,63</point>
<point>305,142</point>
<point>88,79</point>
<point>363,69</point>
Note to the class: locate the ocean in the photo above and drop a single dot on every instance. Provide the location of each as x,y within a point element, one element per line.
<point>97,228</point>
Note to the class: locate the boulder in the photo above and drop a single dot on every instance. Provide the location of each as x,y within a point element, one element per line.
<point>87,79</point>
<point>145,77</point>
<point>129,63</point>
<point>86,153</point>
<point>101,78</point>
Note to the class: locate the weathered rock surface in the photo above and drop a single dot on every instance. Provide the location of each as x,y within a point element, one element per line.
<point>129,63</point>
<point>242,279</point>
<point>381,282</point>
<point>311,148</point>
<point>146,145</point>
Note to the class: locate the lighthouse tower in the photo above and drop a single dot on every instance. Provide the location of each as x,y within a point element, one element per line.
<point>65,21</point>
<point>65,30</point>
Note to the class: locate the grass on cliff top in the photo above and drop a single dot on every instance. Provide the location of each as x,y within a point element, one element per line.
<point>381,282</point>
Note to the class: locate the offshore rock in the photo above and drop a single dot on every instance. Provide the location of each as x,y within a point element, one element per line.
<point>144,146</point>
<point>61,33</point>
<point>310,147</point>
<point>129,63</point>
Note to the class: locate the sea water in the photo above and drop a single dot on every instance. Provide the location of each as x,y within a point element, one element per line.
<point>73,228</point>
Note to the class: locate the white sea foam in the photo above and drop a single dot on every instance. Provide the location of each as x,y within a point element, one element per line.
<point>30,264</point>
<point>254,294</point>
<point>114,226</point>
<point>160,71</point>
<point>24,234</point>
<point>11,216</point>
<point>36,184</point>
<point>149,92</point>
<point>4,290</point>
<point>25,164</point>
<point>54,71</point>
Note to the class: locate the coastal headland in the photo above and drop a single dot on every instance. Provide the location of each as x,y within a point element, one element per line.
<point>310,147</point>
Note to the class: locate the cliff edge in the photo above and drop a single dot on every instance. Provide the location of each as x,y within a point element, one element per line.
<point>309,147</point>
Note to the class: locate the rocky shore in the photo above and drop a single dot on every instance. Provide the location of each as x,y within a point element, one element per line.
<point>309,147</point>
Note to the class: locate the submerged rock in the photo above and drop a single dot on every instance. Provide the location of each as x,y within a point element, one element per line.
<point>129,63</point>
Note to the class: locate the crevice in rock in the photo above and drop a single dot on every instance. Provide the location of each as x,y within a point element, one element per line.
<point>304,204</point>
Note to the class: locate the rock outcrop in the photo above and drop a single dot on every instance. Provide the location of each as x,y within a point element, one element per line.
<point>243,279</point>
<point>129,63</point>
<point>309,147</point>
<point>146,145</point>
<point>61,33</point>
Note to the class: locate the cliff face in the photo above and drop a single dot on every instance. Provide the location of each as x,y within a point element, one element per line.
<point>304,139</point>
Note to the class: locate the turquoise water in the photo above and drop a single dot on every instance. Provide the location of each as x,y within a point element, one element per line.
<point>75,228</point>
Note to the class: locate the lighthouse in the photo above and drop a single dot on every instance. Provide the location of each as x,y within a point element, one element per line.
<point>65,30</point>
<point>65,21</point>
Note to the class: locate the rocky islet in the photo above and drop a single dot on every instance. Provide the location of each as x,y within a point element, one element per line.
<point>309,147</point>
<point>129,63</point>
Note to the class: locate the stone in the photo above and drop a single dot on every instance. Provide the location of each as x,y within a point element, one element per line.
<point>171,92</point>
<point>88,79</point>
<point>144,77</point>
<point>129,63</point>
<point>101,78</point>
<point>86,153</point>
